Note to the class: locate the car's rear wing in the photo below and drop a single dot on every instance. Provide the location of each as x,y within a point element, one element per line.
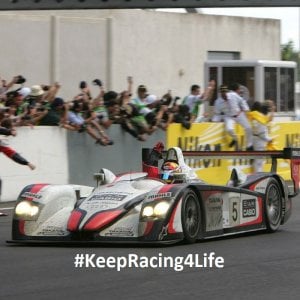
<point>292,154</point>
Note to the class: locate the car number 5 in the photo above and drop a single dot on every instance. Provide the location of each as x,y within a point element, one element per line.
<point>234,211</point>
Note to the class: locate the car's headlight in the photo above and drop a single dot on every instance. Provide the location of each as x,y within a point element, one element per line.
<point>157,210</point>
<point>147,211</point>
<point>161,208</point>
<point>27,210</point>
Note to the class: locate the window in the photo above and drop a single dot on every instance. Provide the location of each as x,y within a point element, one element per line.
<point>226,55</point>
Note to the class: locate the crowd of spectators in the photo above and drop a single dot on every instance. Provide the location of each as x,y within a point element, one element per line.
<point>139,114</point>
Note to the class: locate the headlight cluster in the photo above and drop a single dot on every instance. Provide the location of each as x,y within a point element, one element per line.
<point>27,210</point>
<point>155,209</point>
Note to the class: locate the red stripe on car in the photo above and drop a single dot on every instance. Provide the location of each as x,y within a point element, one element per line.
<point>35,189</point>
<point>101,219</point>
<point>74,220</point>
<point>148,228</point>
<point>165,188</point>
<point>21,227</point>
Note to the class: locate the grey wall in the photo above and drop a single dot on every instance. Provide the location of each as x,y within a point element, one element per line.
<point>85,158</point>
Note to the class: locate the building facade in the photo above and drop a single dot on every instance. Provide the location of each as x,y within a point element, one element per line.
<point>165,51</point>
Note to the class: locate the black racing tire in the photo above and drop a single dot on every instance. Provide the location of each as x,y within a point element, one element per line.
<point>273,206</point>
<point>191,217</point>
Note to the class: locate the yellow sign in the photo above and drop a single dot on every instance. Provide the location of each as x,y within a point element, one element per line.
<point>212,137</point>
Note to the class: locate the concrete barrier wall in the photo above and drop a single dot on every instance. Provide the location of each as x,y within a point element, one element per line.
<point>68,157</point>
<point>46,148</point>
<point>86,158</point>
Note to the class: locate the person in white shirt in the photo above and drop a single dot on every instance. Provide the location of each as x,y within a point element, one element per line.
<point>236,113</point>
<point>221,105</point>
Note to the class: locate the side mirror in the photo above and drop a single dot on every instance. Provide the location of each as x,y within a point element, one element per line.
<point>99,177</point>
<point>104,176</point>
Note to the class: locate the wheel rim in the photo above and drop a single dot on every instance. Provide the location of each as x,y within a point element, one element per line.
<point>191,216</point>
<point>274,204</point>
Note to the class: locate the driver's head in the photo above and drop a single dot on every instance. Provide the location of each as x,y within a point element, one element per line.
<point>167,171</point>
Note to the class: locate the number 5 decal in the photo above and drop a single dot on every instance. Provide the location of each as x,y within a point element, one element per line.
<point>234,211</point>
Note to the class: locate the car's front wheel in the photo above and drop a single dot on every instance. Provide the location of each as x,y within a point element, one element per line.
<point>191,216</point>
<point>273,205</point>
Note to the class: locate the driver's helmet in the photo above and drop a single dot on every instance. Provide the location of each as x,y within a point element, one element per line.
<point>168,169</point>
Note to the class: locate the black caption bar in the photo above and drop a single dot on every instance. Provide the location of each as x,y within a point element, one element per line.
<point>118,4</point>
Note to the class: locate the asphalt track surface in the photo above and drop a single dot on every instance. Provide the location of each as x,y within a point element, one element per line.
<point>256,266</point>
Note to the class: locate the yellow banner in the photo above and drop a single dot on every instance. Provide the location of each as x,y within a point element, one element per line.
<point>212,137</point>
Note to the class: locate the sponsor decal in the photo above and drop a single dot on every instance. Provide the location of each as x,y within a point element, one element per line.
<point>31,195</point>
<point>249,208</point>
<point>260,186</point>
<point>214,213</point>
<point>160,195</point>
<point>121,231</point>
<point>52,230</point>
<point>260,189</point>
<point>108,197</point>
<point>215,201</point>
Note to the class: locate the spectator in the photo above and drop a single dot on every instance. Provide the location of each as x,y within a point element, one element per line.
<point>36,95</point>
<point>182,115</point>
<point>55,115</point>
<point>76,122</point>
<point>195,98</point>
<point>38,106</point>
<point>17,105</point>
<point>98,108</point>
<point>221,105</point>
<point>164,114</point>
<point>260,116</point>
<point>129,117</point>
<point>5,86</point>
<point>145,109</point>
<point>6,129</point>
<point>237,107</point>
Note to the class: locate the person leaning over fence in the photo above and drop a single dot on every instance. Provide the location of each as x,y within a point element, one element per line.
<point>145,108</point>
<point>260,116</point>
<point>195,98</point>
<point>7,129</point>
<point>221,105</point>
<point>236,113</point>
<point>128,112</point>
<point>77,120</point>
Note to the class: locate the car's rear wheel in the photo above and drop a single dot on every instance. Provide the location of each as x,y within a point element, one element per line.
<point>273,205</point>
<point>190,216</point>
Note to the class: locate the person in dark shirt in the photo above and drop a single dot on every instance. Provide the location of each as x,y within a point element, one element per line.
<point>55,114</point>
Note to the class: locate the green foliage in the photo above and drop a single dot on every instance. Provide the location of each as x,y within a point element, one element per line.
<point>289,53</point>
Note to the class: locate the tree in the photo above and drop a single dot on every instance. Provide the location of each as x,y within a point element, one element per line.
<point>289,53</point>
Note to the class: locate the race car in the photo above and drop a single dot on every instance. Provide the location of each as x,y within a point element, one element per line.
<point>165,203</point>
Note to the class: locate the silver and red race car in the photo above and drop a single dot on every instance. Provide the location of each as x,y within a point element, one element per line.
<point>164,203</point>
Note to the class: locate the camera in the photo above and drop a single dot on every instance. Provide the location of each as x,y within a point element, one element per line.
<point>82,84</point>
<point>20,79</point>
<point>97,82</point>
<point>183,116</point>
<point>46,88</point>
